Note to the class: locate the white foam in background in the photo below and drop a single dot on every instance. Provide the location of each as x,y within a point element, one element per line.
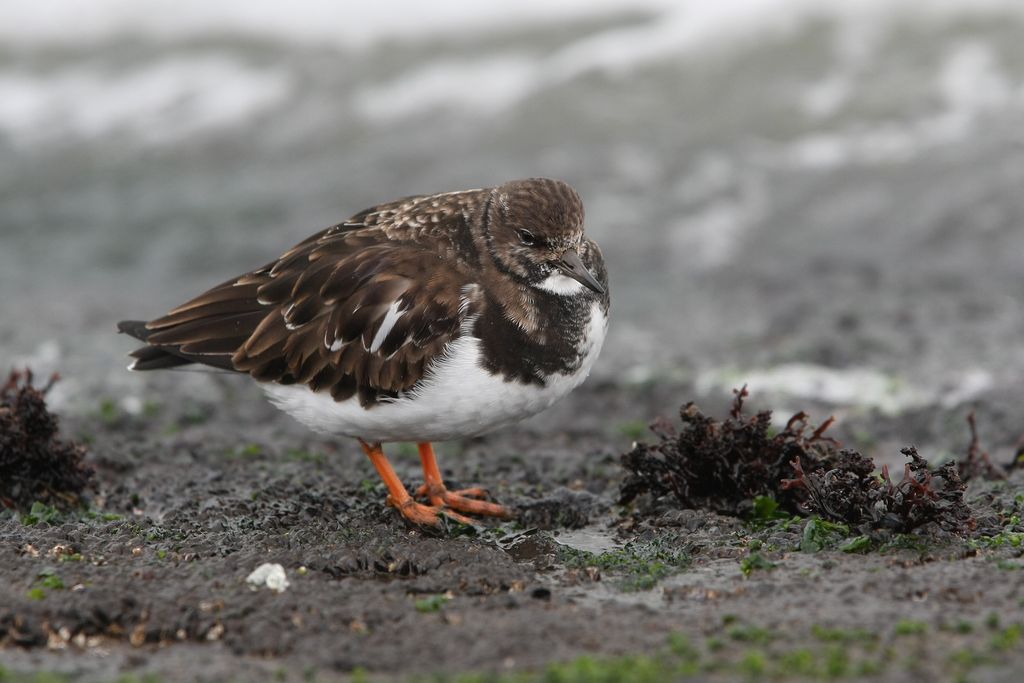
<point>359,24</point>
<point>709,237</point>
<point>970,83</point>
<point>681,27</point>
<point>166,100</point>
<point>858,388</point>
<point>497,83</point>
<point>158,102</point>
<point>352,24</point>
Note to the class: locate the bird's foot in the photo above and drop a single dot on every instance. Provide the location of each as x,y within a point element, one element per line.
<point>427,515</point>
<point>463,500</point>
<point>424,491</point>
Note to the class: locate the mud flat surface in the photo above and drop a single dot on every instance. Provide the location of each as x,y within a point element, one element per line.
<point>194,495</point>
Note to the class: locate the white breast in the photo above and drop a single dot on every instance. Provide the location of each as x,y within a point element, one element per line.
<point>458,398</point>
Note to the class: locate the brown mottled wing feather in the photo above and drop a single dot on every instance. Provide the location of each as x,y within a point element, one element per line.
<point>205,330</point>
<point>315,315</point>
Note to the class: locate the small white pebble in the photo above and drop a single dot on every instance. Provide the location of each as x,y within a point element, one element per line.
<point>268,575</point>
<point>132,405</point>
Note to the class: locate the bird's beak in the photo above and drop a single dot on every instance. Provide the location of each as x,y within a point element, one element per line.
<point>571,265</point>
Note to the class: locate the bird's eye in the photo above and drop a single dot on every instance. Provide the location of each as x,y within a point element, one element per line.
<point>527,238</point>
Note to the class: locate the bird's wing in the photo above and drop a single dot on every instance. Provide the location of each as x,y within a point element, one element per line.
<point>348,310</point>
<point>419,216</point>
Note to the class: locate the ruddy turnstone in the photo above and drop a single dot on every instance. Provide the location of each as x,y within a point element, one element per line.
<point>429,318</point>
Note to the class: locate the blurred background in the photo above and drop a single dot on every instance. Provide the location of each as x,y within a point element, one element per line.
<point>824,199</point>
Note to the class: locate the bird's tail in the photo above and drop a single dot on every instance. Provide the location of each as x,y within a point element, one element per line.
<point>148,357</point>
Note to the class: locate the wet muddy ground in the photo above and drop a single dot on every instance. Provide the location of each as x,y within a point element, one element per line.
<point>194,495</point>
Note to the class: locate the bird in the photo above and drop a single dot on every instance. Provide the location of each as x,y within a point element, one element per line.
<point>426,319</point>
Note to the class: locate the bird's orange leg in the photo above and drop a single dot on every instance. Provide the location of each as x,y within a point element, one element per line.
<point>465,500</point>
<point>398,496</point>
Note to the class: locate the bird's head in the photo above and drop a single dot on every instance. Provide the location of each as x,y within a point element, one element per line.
<point>535,234</point>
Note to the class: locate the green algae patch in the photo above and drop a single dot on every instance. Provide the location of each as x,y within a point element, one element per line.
<point>637,566</point>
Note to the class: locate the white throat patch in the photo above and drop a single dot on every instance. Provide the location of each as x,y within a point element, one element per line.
<point>560,283</point>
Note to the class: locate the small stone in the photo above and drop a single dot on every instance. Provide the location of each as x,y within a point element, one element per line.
<point>270,576</point>
<point>138,635</point>
<point>215,632</point>
<point>54,641</point>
